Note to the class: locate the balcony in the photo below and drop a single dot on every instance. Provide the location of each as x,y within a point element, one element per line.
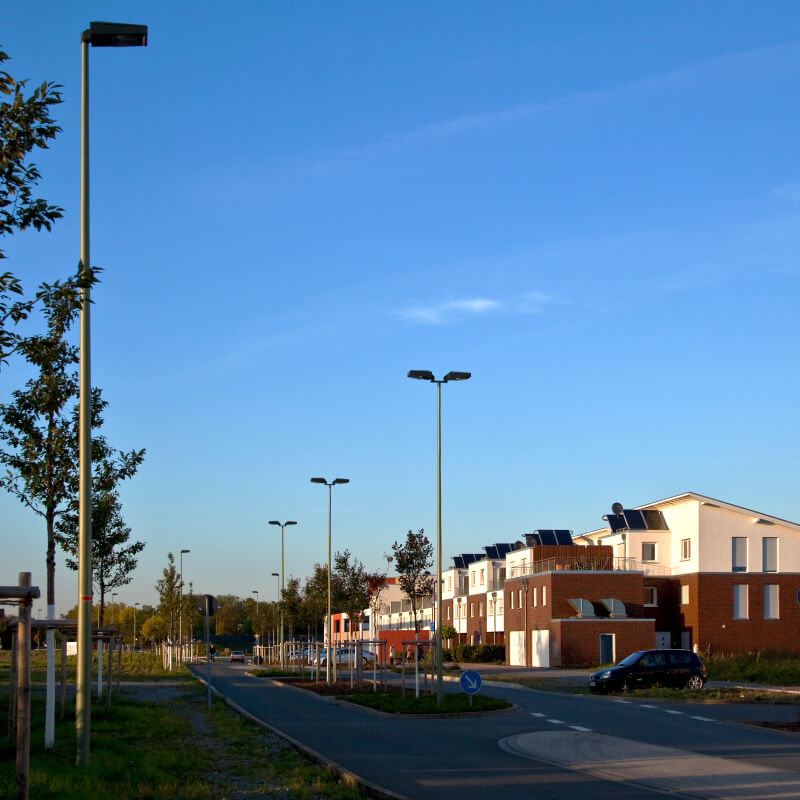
<point>591,564</point>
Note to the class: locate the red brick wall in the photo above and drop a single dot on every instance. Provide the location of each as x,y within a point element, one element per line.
<point>576,643</point>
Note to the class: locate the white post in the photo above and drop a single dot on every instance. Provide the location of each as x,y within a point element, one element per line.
<point>99,668</point>
<point>50,700</point>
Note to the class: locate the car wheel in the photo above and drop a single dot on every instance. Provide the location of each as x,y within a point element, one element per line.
<point>695,682</point>
<point>365,661</point>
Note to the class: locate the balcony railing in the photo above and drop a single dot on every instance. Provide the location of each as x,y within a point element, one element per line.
<point>592,564</point>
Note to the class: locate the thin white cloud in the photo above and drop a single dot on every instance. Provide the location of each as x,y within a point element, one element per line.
<point>453,311</point>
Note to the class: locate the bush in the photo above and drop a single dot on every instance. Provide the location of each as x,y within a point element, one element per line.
<point>479,653</point>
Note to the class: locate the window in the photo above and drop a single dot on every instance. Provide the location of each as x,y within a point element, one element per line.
<point>648,551</point>
<point>769,547</point>
<point>650,596</point>
<point>472,577</point>
<point>684,594</point>
<point>771,608</point>
<point>448,612</point>
<point>472,609</point>
<point>512,599</point>
<point>480,609</point>
<point>524,566</point>
<point>449,582</point>
<point>534,601</point>
<point>544,595</point>
<point>740,601</point>
<point>502,573</point>
<point>739,554</point>
<point>483,576</point>
<point>499,606</point>
<point>520,598</point>
<point>686,549</point>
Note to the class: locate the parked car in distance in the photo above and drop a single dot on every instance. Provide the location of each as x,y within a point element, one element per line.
<point>237,655</point>
<point>674,668</point>
<point>347,655</point>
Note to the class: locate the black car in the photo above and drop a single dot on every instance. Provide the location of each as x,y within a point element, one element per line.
<point>675,668</point>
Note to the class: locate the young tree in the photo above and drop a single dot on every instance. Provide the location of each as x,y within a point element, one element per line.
<point>113,559</point>
<point>230,615</point>
<point>353,589</point>
<point>292,604</point>
<point>377,587</point>
<point>168,588</point>
<point>315,596</point>
<point>412,558</point>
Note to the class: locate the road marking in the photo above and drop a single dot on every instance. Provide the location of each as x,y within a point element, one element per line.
<point>624,702</point>
<point>556,721</point>
<point>704,719</point>
<point>534,714</point>
<point>644,705</point>
<point>580,728</point>
<point>670,711</point>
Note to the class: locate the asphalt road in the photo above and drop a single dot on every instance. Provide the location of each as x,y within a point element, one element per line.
<point>556,745</point>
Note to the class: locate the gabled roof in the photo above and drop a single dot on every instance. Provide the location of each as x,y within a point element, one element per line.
<point>703,500</point>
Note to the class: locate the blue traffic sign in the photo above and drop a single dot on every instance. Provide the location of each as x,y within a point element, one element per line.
<point>470,681</point>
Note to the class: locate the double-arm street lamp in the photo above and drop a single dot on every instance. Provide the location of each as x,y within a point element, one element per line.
<point>427,375</point>
<point>282,525</point>
<point>98,34</point>
<point>330,625</point>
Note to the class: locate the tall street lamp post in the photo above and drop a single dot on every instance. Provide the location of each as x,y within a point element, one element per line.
<point>280,600</point>
<point>427,375</point>
<point>98,34</point>
<point>283,525</point>
<point>330,624</point>
<point>255,592</point>
<point>180,610</point>
<point>135,606</point>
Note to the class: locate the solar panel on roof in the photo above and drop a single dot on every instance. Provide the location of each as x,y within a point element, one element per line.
<point>491,551</point>
<point>548,537</point>
<point>459,562</point>
<point>616,522</point>
<point>634,519</point>
<point>505,547</point>
<point>563,537</point>
<point>654,520</point>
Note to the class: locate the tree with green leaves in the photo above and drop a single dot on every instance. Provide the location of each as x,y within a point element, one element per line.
<point>413,558</point>
<point>292,605</point>
<point>353,585</point>
<point>26,124</point>
<point>315,596</point>
<point>377,586</point>
<point>168,588</point>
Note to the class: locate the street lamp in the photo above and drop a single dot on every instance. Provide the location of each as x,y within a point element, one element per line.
<point>255,592</point>
<point>330,625</point>
<point>180,610</point>
<point>98,34</point>
<point>427,375</point>
<point>135,606</point>
<point>280,600</point>
<point>283,525</point>
<point>113,595</point>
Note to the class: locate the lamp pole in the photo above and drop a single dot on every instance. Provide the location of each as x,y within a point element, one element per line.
<point>135,606</point>
<point>330,625</point>
<point>255,592</point>
<point>282,525</point>
<point>277,575</point>
<point>427,375</point>
<point>98,34</point>
<point>180,609</point>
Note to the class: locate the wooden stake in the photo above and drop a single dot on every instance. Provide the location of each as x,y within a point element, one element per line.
<point>23,691</point>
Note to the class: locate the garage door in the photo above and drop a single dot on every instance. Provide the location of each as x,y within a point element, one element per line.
<point>516,652</point>
<point>540,649</point>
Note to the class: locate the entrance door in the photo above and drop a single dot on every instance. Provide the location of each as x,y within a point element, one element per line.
<point>663,640</point>
<point>686,640</point>
<point>540,649</point>
<point>516,651</point>
<point>607,655</point>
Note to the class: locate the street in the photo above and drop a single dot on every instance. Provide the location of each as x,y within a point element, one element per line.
<point>564,746</point>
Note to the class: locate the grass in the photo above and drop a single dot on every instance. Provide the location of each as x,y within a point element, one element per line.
<point>395,703</point>
<point>135,666</point>
<point>274,673</point>
<point>771,669</point>
<point>173,747</point>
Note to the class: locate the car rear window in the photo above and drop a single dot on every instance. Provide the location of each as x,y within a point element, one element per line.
<point>681,658</point>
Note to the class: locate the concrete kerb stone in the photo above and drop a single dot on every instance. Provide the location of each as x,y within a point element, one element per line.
<point>369,788</point>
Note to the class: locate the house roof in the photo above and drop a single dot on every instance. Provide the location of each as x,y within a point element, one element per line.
<point>703,500</point>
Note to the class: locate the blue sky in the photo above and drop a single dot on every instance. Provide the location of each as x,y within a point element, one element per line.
<point>594,208</point>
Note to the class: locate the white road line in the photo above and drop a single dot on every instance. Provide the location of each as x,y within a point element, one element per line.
<point>556,721</point>
<point>624,702</point>
<point>670,711</point>
<point>534,714</point>
<point>644,705</point>
<point>704,719</point>
<point>580,728</point>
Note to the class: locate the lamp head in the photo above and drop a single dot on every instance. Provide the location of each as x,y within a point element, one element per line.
<point>115,34</point>
<point>186,551</point>
<point>342,480</point>
<point>276,575</point>
<point>457,376</point>
<point>421,374</point>
<point>290,522</point>
<point>318,480</point>
<point>274,522</point>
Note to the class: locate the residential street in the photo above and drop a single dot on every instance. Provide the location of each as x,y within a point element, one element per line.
<point>566,746</point>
